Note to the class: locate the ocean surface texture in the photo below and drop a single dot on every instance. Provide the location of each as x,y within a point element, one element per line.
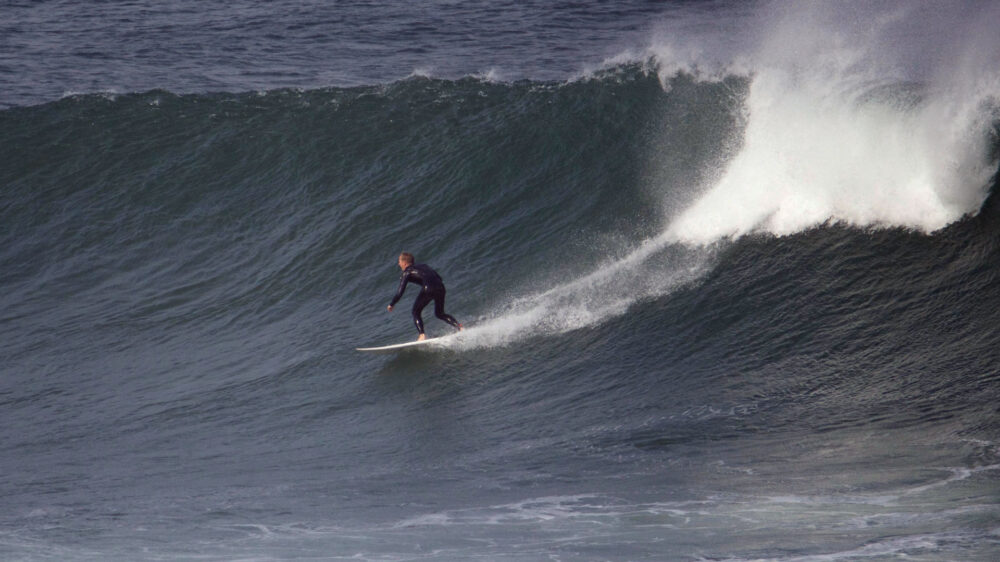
<point>729,271</point>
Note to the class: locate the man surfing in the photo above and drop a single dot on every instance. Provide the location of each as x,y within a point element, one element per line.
<point>432,290</point>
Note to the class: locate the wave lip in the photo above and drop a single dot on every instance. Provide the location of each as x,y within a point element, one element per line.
<point>809,158</point>
<point>838,131</point>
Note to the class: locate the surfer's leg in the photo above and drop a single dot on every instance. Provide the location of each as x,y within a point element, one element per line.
<point>439,310</point>
<point>418,307</point>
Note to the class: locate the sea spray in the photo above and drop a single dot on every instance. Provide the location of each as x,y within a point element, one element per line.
<point>654,269</point>
<point>837,133</point>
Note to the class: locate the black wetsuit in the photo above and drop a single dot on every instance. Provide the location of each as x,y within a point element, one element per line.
<point>432,290</point>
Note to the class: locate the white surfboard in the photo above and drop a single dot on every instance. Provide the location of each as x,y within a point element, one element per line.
<point>429,343</point>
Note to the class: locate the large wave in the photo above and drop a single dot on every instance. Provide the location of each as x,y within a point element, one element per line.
<point>588,196</point>
<point>854,118</point>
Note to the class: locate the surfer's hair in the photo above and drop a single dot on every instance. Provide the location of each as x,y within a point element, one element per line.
<point>407,257</point>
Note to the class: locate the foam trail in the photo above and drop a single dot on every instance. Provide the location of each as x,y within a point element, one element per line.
<point>656,267</point>
<point>837,130</point>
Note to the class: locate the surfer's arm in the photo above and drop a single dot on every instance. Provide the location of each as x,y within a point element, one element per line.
<point>403,280</point>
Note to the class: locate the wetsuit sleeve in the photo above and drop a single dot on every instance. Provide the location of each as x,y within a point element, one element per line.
<point>403,280</point>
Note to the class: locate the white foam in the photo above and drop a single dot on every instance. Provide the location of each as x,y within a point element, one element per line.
<point>493,75</point>
<point>421,72</point>
<point>531,510</point>
<point>607,291</point>
<point>590,508</point>
<point>826,141</point>
<point>895,546</point>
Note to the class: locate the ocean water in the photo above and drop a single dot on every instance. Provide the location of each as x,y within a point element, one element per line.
<point>730,274</point>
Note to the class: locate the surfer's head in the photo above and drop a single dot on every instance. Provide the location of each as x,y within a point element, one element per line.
<point>405,260</point>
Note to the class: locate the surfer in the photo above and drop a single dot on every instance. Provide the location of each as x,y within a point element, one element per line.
<point>432,290</point>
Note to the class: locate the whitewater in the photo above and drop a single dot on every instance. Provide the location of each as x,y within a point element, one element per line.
<point>729,274</point>
<point>834,131</point>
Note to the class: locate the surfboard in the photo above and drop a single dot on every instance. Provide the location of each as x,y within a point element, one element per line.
<point>427,343</point>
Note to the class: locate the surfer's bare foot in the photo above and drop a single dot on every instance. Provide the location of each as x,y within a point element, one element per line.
<point>422,337</point>
<point>460,328</point>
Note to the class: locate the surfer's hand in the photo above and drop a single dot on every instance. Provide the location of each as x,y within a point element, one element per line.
<point>389,308</point>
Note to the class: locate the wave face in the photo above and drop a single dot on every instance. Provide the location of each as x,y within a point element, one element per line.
<point>717,307</point>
